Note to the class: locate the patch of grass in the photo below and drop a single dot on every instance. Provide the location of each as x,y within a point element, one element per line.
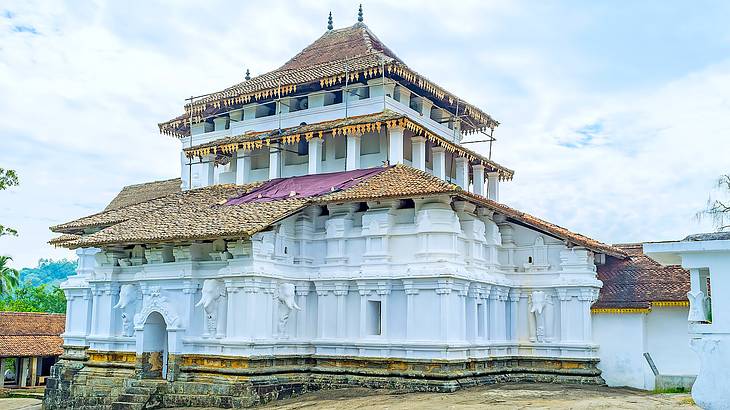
<point>671,390</point>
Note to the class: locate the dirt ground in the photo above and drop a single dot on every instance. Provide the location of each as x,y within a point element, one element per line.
<point>20,404</point>
<point>504,396</point>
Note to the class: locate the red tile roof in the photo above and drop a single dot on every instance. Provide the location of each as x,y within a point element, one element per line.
<point>24,334</point>
<point>637,281</point>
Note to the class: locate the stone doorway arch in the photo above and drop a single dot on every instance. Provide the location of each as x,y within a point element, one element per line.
<point>153,347</point>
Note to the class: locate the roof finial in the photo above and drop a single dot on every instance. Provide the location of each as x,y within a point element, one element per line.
<point>248,75</point>
<point>359,14</point>
<point>329,22</point>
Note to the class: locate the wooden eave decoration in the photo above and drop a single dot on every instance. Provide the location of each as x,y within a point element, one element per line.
<point>251,141</point>
<point>234,97</point>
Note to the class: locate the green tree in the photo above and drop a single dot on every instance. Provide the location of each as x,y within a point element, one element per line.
<point>718,204</point>
<point>8,178</point>
<point>48,271</point>
<point>9,277</point>
<point>43,298</point>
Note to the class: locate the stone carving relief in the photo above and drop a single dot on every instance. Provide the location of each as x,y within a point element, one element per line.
<point>540,317</point>
<point>213,290</point>
<point>154,301</point>
<point>127,304</point>
<point>287,303</point>
<point>697,303</point>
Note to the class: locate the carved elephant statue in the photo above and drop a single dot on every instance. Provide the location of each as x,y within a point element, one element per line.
<point>127,296</point>
<point>212,291</point>
<point>539,301</point>
<point>286,296</point>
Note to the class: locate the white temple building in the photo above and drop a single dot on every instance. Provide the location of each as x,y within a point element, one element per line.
<point>328,229</point>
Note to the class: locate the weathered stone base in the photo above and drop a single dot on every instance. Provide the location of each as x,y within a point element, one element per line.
<point>116,380</point>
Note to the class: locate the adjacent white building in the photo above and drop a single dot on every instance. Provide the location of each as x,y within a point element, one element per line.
<point>707,257</point>
<point>640,323</point>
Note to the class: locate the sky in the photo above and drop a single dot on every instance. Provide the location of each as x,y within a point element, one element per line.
<point>614,115</point>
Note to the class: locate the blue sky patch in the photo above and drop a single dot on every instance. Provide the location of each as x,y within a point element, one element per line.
<point>25,29</point>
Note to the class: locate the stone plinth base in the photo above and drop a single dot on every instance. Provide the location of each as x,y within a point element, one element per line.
<point>119,380</point>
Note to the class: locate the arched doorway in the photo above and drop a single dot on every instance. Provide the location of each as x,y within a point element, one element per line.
<point>154,347</point>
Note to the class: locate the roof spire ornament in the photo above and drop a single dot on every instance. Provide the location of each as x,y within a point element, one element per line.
<point>359,14</point>
<point>329,22</point>
<point>248,75</point>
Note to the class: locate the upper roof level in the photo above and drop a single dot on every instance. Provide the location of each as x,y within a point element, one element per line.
<point>340,59</point>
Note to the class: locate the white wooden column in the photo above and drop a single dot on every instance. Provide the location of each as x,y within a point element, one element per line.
<point>418,146</point>
<point>24,365</point>
<point>462,172</point>
<point>274,161</point>
<point>493,186</point>
<point>478,179</point>
<point>395,146</point>
<point>205,171</point>
<point>243,166</point>
<point>2,372</point>
<point>439,162</point>
<point>33,370</point>
<point>315,155</point>
<point>426,106</point>
<point>353,152</point>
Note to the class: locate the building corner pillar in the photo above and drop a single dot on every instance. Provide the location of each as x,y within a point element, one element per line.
<point>274,161</point>
<point>353,152</point>
<point>418,146</point>
<point>478,171</point>
<point>395,145</point>
<point>462,172</point>
<point>315,155</point>
<point>439,162</point>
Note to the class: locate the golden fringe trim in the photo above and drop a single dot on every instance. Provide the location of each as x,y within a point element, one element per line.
<point>621,310</point>
<point>358,129</point>
<point>659,303</point>
<point>230,97</point>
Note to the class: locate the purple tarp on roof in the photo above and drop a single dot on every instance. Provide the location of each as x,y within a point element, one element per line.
<point>306,186</point>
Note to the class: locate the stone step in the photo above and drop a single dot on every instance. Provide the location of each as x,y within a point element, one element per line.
<point>122,405</point>
<point>133,398</point>
<point>153,384</point>
<point>140,390</point>
<point>197,400</point>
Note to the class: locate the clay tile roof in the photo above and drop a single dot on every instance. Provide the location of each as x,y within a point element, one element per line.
<point>134,194</point>
<point>352,50</point>
<point>31,334</point>
<point>200,214</point>
<point>340,44</point>
<point>637,281</point>
<point>547,227</point>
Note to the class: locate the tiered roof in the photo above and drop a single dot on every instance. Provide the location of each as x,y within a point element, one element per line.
<point>637,283</point>
<point>348,54</point>
<point>202,214</point>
